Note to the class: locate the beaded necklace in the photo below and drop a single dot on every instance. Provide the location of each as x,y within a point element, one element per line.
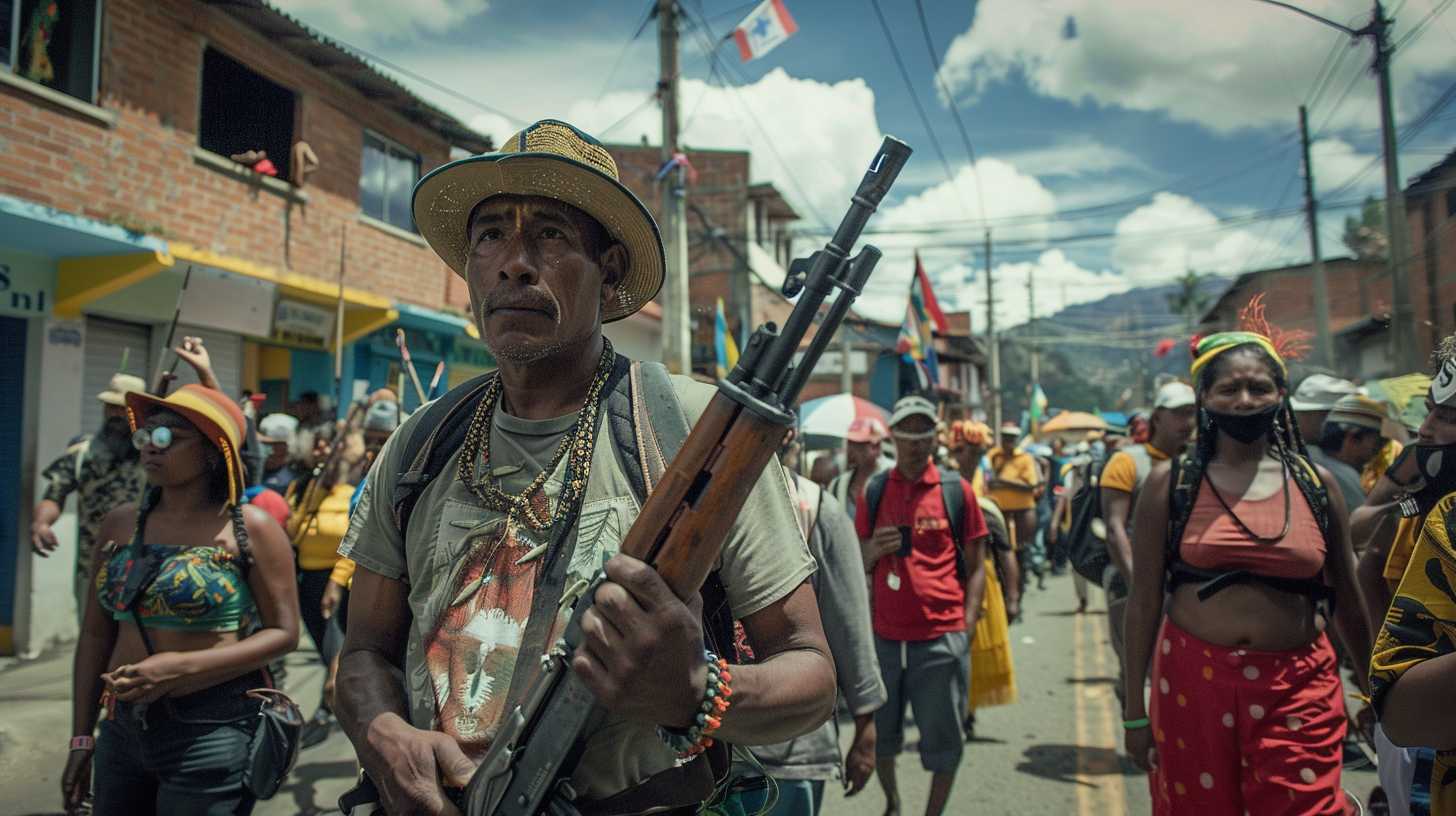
<point>576,447</point>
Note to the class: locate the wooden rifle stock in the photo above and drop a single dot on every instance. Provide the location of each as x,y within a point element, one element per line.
<point>683,524</point>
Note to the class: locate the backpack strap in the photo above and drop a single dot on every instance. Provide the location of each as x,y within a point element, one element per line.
<point>953,495</point>
<point>874,492</point>
<point>432,440</point>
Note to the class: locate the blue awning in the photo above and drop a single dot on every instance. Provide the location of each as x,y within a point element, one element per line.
<point>40,230</point>
<point>420,318</point>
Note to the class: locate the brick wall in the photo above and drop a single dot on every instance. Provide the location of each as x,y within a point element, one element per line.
<point>1356,289</point>
<point>1432,269</point>
<point>141,171</point>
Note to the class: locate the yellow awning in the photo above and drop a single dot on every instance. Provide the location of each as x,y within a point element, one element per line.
<point>82,281</point>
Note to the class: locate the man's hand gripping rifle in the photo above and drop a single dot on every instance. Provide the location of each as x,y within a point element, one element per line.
<point>684,522</point>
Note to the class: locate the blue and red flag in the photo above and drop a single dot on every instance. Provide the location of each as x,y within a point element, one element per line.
<point>916,343</point>
<point>764,29</point>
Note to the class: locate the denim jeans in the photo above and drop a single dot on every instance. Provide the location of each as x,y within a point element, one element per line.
<point>796,797</point>
<point>162,758</point>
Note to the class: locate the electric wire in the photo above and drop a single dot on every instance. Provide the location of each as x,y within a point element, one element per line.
<point>954,108</point>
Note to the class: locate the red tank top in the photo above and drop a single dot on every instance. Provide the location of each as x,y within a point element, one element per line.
<point>1213,541</point>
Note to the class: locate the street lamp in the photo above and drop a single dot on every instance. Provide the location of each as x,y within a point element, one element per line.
<point>1403,324</point>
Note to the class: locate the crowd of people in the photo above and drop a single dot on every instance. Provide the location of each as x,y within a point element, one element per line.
<point>1250,538</point>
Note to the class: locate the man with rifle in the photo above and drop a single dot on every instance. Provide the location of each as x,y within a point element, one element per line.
<point>493,509</point>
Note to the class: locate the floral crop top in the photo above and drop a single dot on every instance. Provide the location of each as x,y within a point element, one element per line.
<point>198,588</point>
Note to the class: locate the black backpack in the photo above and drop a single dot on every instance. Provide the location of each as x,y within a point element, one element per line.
<point>1087,534</point>
<point>951,494</point>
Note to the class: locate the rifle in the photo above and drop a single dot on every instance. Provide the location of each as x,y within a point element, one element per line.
<point>314,492</point>
<point>680,529</point>
<point>165,377</point>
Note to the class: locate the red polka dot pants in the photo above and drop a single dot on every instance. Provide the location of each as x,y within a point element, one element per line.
<point>1240,731</point>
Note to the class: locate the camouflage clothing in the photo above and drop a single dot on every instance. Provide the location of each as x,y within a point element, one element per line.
<point>103,484</point>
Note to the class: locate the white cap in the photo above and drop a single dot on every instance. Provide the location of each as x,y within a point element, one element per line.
<point>910,406</point>
<point>1174,395</point>
<point>277,428</point>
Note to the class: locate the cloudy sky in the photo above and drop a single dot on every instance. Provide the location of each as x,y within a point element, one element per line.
<point>1117,143</point>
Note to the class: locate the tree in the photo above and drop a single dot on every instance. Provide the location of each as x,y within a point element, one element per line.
<point>1190,299</point>
<point>1365,236</point>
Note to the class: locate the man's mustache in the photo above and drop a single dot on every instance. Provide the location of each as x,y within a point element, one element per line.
<point>519,299</point>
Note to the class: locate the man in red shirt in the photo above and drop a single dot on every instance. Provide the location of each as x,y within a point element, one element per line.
<point>925,592</point>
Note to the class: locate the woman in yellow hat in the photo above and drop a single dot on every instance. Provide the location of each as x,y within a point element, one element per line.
<point>194,595</point>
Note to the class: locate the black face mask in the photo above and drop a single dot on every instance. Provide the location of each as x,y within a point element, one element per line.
<point>1245,428</point>
<point>1437,464</point>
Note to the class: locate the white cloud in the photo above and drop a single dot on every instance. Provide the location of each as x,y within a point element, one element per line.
<point>372,21</point>
<point>1339,166</point>
<point>1161,240</point>
<point>1074,157</point>
<point>1220,65</point>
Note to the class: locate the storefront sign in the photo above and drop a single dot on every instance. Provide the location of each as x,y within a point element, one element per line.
<point>303,324</point>
<point>27,286</point>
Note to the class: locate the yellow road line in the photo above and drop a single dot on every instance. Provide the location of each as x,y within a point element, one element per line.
<point>1100,790</point>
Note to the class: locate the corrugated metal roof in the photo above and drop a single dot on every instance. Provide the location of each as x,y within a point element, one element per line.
<point>337,60</point>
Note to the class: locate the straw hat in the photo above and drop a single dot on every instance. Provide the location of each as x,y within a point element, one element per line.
<point>552,159</point>
<point>119,387</point>
<point>211,412</point>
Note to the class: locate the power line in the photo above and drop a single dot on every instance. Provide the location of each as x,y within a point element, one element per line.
<point>1419,28</point>
<point>626,46</point>
<point>914,97</point>
<point>954,108</point>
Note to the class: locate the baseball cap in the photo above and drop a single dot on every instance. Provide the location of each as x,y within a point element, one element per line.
<point>120,386</point>
<point>910,406</point>
<point>1174,395</point>
<point>1320,392</point>
<point>1010,429</point>
<point>867,429</point>
<point>276,428</point>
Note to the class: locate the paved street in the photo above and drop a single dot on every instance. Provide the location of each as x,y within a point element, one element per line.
<point>1056,751</point>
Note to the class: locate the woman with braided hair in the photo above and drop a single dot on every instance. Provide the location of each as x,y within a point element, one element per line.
<point>194,595</point>
<point>1247,712</point>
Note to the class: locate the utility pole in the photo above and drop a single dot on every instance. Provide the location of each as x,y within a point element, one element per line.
<point>1031,324</point>
<point>676,337</point>
<point>1403,349</point>
<point>992,341</point>
<point>1324,348</point>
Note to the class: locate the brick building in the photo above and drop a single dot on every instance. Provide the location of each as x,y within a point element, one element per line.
<point>1430,206</point>
<point>1360,303</point>
<point>738,246</point>
<point>127,136</point>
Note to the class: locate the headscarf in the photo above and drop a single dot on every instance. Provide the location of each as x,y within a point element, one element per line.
<point>1215,344</point>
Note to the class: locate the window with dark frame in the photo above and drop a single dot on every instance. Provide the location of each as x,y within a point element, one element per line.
<point>52,43</point>
<point>242,111</point>
<point>387,176</point>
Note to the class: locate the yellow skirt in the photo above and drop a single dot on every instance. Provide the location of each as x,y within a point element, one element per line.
<point>993,676</point>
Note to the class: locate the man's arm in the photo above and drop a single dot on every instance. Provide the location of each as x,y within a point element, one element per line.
<point>1382,524</point>
<point>60,478</point>
<point>1116,505</point>
<point>407,764</point>
<point>642,656</point>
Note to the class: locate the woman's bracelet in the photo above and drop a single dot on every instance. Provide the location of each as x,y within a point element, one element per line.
<point>709,718</point>
<point>1133,725</point>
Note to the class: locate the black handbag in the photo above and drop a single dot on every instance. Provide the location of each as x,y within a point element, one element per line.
<point>273,750</point>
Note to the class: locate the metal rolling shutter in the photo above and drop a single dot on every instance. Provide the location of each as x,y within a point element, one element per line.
<point>225,348</point>
<point>107,341</point>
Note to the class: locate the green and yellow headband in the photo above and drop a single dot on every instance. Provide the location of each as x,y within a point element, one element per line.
<point>1216,344</point>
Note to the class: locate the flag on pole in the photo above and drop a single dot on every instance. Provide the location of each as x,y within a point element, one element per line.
<point>768,25</point>
<point>916,343</point>
<point>723,343</point>
<point>1038,406</point>
<point>927,297</point>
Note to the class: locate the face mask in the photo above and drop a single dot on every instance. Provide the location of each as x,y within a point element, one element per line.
<point>1245,428</point>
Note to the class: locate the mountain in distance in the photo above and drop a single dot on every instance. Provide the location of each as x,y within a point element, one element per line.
<point>1099,355</point>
